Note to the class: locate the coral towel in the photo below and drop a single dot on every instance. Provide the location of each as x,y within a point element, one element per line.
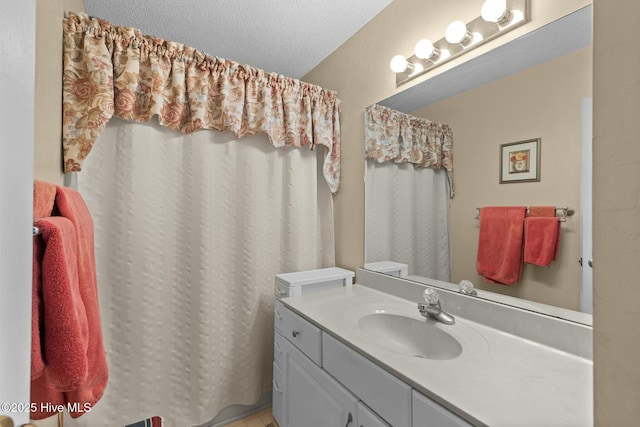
<point>65,337</point>
<point>72,206</point>
<point>541,240</point>
<point>542,211</point>
<point>500,244</point>
<point>44,196</point>
<point>75,366</point>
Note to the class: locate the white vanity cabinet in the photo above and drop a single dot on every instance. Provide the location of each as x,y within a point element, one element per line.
<point>427,413</point>
<point>319,381</point>
<point>304,395</point>
<point>388,396</point>
<point>367,418</point>
<point>312,398</point>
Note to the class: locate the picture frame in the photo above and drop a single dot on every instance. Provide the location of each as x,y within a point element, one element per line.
<point>520,161</point>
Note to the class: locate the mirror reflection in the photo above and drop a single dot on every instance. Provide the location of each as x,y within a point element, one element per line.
<point>536,87</point>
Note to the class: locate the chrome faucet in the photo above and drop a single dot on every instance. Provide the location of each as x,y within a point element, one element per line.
<point>466,287</point>
<point>432,308</point>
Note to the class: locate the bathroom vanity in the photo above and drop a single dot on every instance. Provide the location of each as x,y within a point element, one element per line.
<point>363,356</point>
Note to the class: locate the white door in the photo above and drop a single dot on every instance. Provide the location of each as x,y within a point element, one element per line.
<point>17,80</point>
<point>312,397</point>
<point>586,227</point>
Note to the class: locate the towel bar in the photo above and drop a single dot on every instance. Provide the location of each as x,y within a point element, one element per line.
<point>561,212</point>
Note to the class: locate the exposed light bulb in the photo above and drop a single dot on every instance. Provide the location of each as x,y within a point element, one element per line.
<point>426,50</point>
<point>444,54</point>
<point>495,11</point>
<point>518,16</point>
<point>456,32</point>
<point>399,64</point>
<point>416,69</point>
<point>476,38</point>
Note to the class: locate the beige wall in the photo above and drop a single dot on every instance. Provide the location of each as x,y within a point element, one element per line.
<point>48,113</point>
<point>541,102</point>
<point>359,71</point>
<point>616,187</point>
<point>48,107</point>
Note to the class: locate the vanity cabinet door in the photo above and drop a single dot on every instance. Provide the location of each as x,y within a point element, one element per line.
<point>427,413</point>
<point>277,396</point>
<point>312,398</point>
<point>366,417</point>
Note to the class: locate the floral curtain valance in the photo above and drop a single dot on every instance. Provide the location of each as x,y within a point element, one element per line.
<point>391,135</point>
<point>111,70</point>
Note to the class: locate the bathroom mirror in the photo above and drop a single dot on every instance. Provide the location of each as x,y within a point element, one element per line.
<point>537,86</point>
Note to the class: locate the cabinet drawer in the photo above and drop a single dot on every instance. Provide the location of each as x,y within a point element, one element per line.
<point>303,335</point>
<point>427,413</point>
<point>386,395</point>
<point>278,308</point>
<point>277,349</point>
<point>366,417</point>
<point>277,395</point>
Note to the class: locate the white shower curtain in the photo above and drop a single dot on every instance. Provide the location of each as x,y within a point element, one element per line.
<point>407,218</point>
<point>190,231</point>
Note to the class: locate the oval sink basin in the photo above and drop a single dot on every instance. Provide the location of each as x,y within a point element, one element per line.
<point>410,337</point>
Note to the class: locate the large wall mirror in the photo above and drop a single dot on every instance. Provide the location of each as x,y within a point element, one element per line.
<point>538,86</point>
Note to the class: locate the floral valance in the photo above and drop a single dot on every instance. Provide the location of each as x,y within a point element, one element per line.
<point>111,70</point>
<point>391,135</point>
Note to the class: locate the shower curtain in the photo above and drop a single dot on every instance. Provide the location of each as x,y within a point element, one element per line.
<point>190,231</point>
<point>407,218</point>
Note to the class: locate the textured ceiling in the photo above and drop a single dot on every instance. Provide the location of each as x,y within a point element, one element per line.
<point>289,37</point>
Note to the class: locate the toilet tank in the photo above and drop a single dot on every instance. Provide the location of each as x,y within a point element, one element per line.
<point>299,282</point>
<point>388,267</point>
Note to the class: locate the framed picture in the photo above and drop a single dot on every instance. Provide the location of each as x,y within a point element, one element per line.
<point>520,161</point>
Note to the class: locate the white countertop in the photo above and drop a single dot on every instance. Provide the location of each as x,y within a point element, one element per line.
<point>498,380</point>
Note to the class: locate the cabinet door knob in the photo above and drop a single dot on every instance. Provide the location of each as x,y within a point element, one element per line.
<point>295,333</point>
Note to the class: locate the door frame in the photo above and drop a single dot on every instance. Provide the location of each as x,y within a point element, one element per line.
<point>586,208</point>
<point>17,84</point>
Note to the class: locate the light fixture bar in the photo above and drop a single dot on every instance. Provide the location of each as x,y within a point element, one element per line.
<point>481,32</point>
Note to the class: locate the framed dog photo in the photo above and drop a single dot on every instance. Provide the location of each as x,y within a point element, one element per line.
<point>520,161</point>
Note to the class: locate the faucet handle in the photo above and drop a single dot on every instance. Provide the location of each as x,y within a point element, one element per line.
<point>466,287</point>
<point>431,296</point>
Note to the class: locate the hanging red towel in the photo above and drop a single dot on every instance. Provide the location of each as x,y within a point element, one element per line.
<point>541,240</point>
<point>72,206</point>
<point>63,327</point>
<point>65,336</point>
<point>37,360</point>
<point>542,211</point>
<point>44,195</point>
<point>500,244</point>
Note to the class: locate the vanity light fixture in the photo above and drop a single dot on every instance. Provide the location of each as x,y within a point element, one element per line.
<point>399,64</point>
<point>495,11</point>
<point>426,50</point>
<point>457,32</point>
<point>496,18</point>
